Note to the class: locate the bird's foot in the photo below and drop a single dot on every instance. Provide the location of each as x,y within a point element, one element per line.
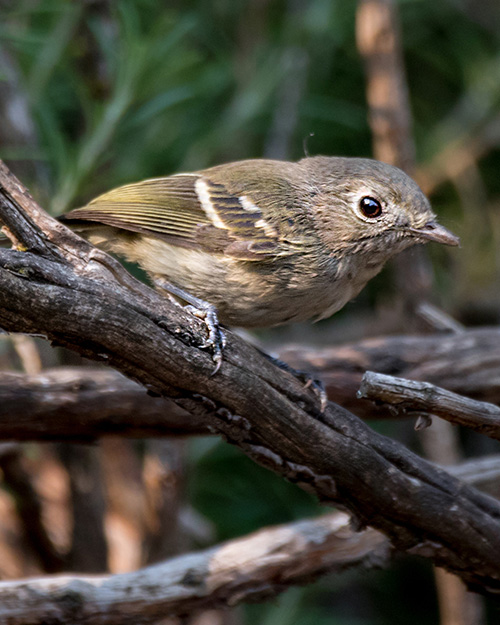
<point>216,340</point>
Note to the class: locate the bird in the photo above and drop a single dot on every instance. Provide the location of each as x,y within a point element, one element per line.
<point>259,242</point>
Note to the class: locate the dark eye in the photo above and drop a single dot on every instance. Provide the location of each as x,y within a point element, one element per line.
<point>370,207</point>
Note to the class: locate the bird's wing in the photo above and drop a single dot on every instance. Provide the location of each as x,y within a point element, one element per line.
<point>189,210</point>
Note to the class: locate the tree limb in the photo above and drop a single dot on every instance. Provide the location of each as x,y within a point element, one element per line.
<point>255,567</point>
<point>62,288</point>
<point>78,403</point>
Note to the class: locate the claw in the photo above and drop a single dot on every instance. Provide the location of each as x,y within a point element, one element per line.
<point>317,388</point>
<point>217,358</point>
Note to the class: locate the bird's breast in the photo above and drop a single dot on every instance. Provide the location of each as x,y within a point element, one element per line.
<point>255,293</point>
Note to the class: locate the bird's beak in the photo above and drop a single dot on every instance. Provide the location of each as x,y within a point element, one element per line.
<point>432,231</point>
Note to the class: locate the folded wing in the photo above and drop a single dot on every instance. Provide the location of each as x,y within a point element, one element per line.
<point>188,210</point>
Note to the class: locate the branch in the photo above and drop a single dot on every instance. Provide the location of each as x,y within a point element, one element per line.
<point>77,297</point>
<point>254,567</point>
<point>409,395</point>
<point>29,509</point>
<point>89,548</point>
<point>379,42</point>
<point>78,403</point>
<point>483,472</point>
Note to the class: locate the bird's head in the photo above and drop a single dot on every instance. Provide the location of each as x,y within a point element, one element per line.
<point>366,205</point>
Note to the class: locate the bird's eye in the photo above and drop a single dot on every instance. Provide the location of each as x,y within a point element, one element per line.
<point>370,207</point>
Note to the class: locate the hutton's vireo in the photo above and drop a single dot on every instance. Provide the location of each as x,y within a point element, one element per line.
<point>265,242</point>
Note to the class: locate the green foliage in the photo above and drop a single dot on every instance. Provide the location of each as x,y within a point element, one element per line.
<point>241,497</point>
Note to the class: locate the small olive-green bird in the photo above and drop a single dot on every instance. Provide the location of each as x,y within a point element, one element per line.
<point>265,242</point>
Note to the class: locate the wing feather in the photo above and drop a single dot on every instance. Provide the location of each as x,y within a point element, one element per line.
<point>189,210</point>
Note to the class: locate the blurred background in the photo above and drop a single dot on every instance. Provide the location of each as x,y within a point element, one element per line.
<point>95,94</point>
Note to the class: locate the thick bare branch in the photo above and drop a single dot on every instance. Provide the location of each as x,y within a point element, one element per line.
<point>254,567</point>
<point>265,411</point>
<point>412,396</point>
<point>78,403</point>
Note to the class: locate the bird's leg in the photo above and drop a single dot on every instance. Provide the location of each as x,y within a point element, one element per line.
<point>309,381</point>
<point>216,340</point>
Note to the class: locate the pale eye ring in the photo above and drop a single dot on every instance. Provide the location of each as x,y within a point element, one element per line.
<point>370,207</point>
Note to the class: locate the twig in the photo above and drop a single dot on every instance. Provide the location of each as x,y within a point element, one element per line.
<point>483,472</point>
<point>126,502</point>
<point>468,363</point>
<point>89,550</point>
<point>164,480</point>
<point>437,319</point>
<point>27,353</point>
<point>412,396</point>
<point>379,42</point>
<point>62,292</point>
